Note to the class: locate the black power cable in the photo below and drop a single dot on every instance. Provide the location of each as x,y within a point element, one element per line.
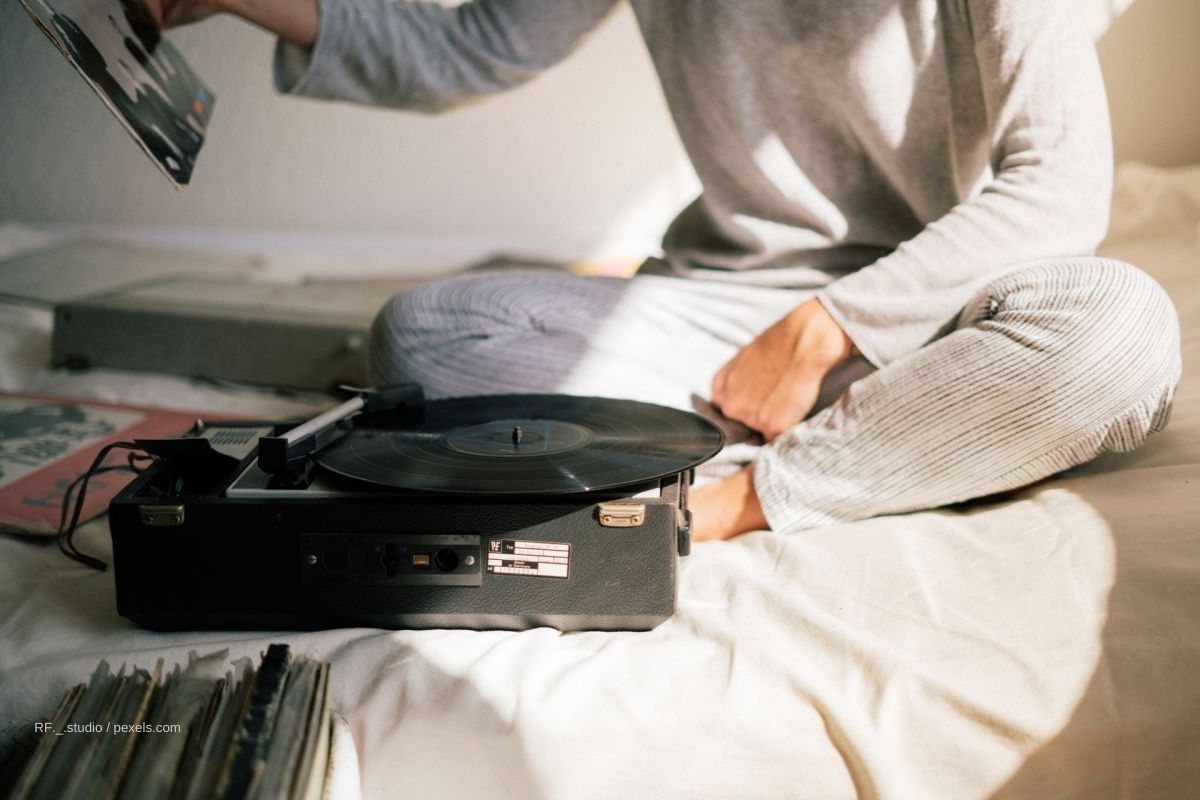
<point>66,530</point>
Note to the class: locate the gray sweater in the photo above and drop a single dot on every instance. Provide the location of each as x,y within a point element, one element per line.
<point>894,154</point>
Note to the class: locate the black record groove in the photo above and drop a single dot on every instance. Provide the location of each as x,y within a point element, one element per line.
<point>523,444</point>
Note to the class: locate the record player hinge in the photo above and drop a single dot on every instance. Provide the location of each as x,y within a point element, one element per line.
<point>161,516</point>
<point>621,515</point>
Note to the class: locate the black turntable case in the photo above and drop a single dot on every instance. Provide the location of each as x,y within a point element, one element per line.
<point>214,562</point>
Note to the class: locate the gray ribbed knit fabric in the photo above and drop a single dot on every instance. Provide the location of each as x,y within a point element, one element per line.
<point>931,143</point>
<point>1048,366</point>
<point>935,171</point>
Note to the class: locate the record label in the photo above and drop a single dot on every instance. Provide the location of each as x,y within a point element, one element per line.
<point>518,437</point>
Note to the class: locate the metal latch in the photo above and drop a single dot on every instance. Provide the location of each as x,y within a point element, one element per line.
<point>621,515</point>
<point>683,521</point>
<point>161,516</point>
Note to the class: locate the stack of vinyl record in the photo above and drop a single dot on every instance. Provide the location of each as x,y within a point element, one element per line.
<point>203,731</point>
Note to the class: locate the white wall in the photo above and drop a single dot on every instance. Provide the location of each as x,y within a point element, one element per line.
<point>582,153</point>
<point>584,157</point>
<point>1151,60</point>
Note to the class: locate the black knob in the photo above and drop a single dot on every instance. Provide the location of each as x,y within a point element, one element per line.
<point>336,559</point>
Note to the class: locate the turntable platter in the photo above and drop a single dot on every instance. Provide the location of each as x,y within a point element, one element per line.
<point>523,445</point>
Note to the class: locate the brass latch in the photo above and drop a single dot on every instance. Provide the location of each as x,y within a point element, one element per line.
<point>621,515</point>
<point>161,516</point>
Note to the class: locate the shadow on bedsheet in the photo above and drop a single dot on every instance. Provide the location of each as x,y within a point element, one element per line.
<point>416,720</point>
<point>426,729</point>
<point>1135,731</point>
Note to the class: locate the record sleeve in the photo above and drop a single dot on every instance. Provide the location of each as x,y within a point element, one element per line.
<point>117,48</point>
<point>48,442</point>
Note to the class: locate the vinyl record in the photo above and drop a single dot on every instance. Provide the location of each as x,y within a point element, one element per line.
<point>523,445</point>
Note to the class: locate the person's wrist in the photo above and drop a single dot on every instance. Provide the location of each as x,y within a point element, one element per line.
<point>294,21</point>
<point>825,342</point>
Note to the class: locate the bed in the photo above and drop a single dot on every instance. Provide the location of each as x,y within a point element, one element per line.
<point>1044,644</point>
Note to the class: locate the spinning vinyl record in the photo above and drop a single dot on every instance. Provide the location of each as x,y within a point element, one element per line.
<point>523,445</point>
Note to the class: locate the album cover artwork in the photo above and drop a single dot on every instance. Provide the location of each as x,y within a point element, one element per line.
<point>117,48</point>
<point>46,443</point>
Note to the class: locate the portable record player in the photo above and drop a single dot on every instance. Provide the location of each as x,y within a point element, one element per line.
<point>494,512</point>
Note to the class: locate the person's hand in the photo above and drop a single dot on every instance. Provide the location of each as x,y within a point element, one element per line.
<point>772,383</point>
<point>173,13</point>
<point>293,21</point>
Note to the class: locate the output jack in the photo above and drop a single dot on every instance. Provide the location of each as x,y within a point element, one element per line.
<point>446,560</point>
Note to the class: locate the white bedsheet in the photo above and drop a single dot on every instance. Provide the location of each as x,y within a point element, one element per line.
<point>1046,645</point>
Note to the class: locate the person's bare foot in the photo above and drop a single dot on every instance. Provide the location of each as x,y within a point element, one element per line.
<point>727,508</point>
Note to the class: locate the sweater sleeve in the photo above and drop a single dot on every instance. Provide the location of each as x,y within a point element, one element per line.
<point>428,57</point>
<point>1051,164</point>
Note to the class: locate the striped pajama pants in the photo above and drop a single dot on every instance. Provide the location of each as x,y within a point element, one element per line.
<point>1047,366</point>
